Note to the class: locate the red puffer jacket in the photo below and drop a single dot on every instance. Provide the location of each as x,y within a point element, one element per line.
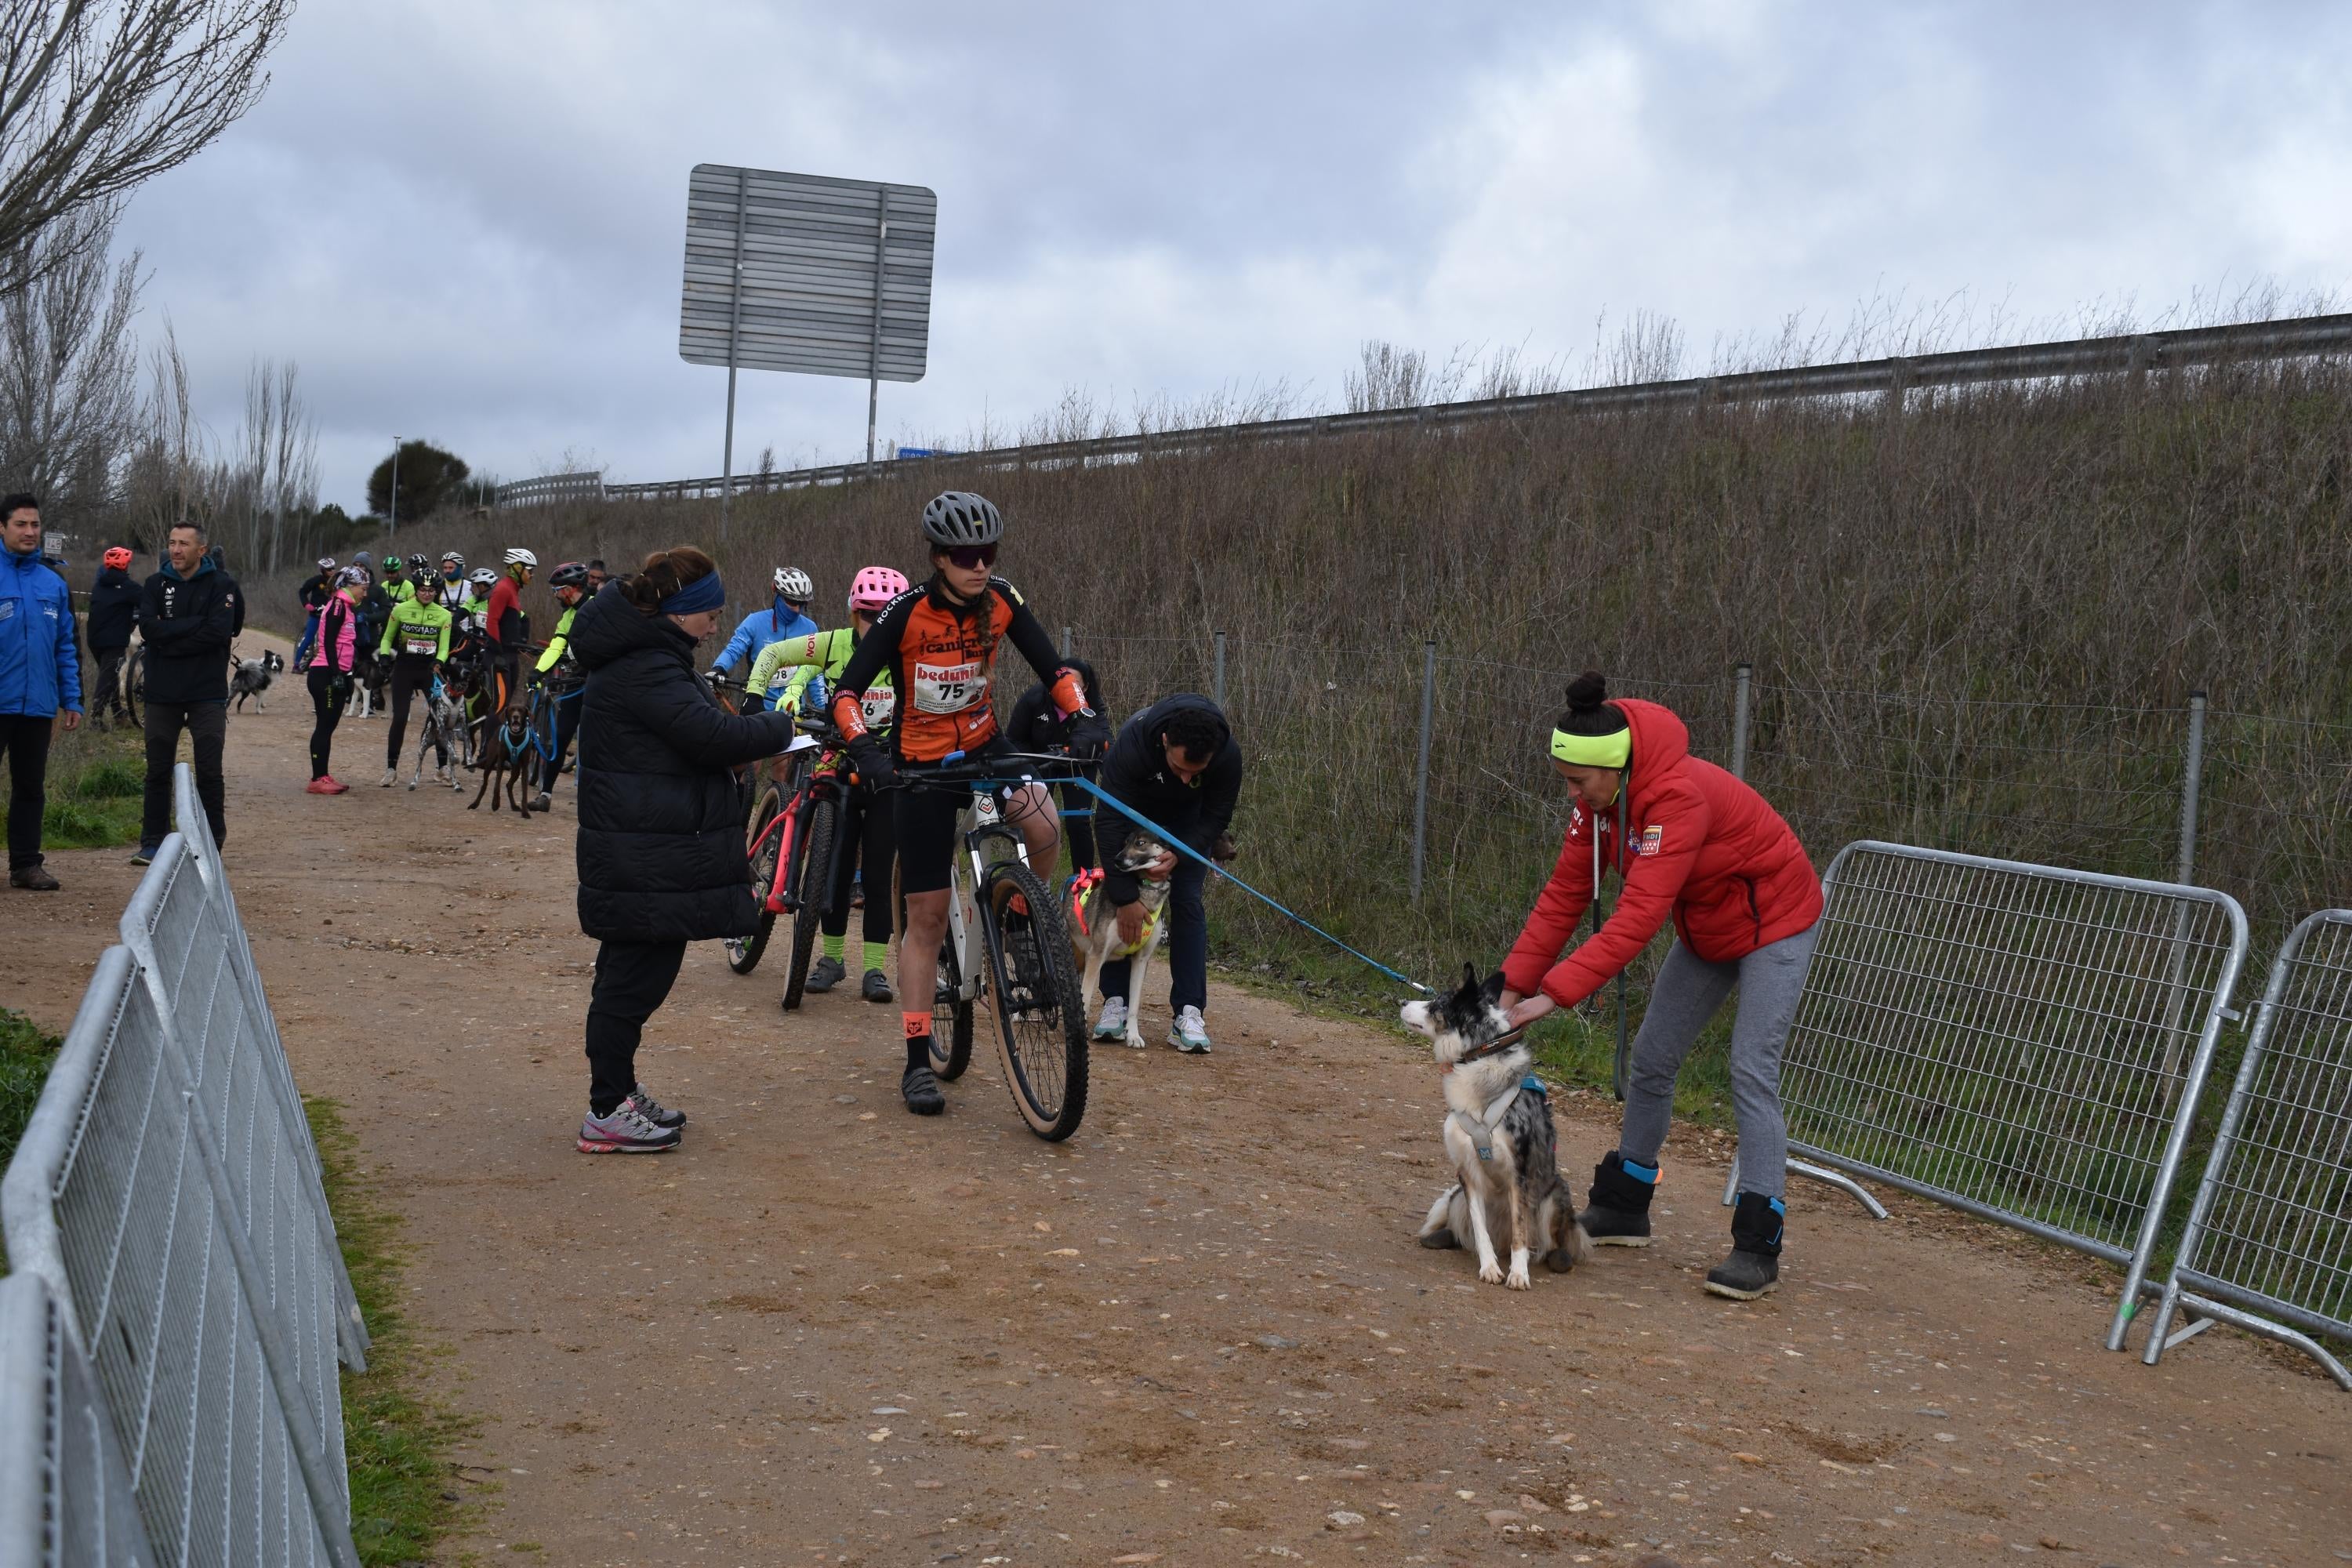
<point>1701,847</point>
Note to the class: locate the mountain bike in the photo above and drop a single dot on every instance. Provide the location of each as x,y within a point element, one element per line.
<point>791,838</point>
<point>1005,944</point>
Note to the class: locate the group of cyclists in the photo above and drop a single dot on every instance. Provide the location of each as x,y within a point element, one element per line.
<point>417,631</point>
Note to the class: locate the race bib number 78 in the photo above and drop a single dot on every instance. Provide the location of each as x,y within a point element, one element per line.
<point>949,688</point>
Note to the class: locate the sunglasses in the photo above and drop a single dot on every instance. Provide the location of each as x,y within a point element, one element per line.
<point>971,557</point>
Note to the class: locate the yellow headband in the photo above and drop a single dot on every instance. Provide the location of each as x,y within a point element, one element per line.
<point>1592,751</point>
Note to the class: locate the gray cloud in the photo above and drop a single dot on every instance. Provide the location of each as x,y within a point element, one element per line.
<point>465,220</point>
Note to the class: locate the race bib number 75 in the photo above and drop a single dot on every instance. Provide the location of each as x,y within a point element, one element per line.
<point>949,688</point>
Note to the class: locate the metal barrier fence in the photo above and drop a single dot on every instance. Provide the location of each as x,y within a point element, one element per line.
<point>2021,1042</point>
<point>65,1496</point>
<point>1894,379</point>
<point>120,1200</point>
<point>2268,1246</point>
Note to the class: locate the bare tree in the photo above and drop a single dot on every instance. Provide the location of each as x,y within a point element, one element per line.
<point>172,476</point>
<point>97,96</point>
<point>70,366</point>
<point>294,473</point>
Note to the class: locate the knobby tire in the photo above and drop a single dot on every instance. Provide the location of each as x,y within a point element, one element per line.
<point>743,951</point>
<point>815,849</point>
<point>1044,1051</point>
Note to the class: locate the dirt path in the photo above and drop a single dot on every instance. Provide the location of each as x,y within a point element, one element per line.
<point>1200,1333</point>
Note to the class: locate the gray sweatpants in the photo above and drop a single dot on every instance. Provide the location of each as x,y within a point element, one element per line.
<point>1688,992</point>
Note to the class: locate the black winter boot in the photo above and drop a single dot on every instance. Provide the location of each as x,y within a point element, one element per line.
<point>1619,1211</point>
<point>1753,1269</point>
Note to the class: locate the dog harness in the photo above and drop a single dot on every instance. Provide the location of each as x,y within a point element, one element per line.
<point>1086,882</point>
<point>1480,1130</point>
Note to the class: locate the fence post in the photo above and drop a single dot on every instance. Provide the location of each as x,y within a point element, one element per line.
<point>1066,642</point>
<point>1420,772</point>
<point>1742,675</point>
<point>2192,776</point>
<point>1218,689</point>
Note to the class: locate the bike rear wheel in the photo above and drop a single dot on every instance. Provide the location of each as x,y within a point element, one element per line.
<point>815,851</point>
<point>743,951</point>
<point>1041,1020</point>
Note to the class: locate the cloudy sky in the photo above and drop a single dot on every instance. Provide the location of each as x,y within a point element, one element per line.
<point>464,220</point>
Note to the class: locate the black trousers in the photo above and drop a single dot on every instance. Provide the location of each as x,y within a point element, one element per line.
<point>1080,830</point>
<point>411,673</point>
<point>109,697</point>
<point>632,980</point>
<point>24,738</point>
<point>868,832</point>
<point>207,725</point>
<point>329,689</point>
<point>567,730</point>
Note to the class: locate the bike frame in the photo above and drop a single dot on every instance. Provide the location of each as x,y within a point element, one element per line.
<point>789,889</point>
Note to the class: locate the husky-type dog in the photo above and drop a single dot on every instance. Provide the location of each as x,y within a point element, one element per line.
<point>501,754</point>
<point>1094,924</point>
<point>1499,1137</point>
<point>444,728</point>
<point>370,680</point>
<point>252,679</point>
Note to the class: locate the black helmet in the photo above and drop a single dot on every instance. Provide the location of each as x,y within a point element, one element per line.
<point>571,574</point>
<point>960,517</point>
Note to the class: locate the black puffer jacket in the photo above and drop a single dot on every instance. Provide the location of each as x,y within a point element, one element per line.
<point>660,851</point>
<point>1137,772</point>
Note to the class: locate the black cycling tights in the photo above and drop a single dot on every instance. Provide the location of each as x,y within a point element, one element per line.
<point>867,831</point>
<point>411,673</point>
<point>329,690</point>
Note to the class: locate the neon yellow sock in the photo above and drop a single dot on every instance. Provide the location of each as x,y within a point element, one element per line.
<point>877,955</point>
<point>832,947</point>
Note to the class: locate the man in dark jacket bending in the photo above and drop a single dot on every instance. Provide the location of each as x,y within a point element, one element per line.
<point>1177,763</point>
<point>188,616</point>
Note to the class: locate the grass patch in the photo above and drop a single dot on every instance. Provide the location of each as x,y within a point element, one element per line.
<point>397,1437</point>
<point>25,1057</point>
<point>98,784</point>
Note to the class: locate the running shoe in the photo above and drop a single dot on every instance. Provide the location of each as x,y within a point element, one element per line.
<point>653,1109</point>
<point>1112,1024</point>
<point>322,784</point>
<point>391,775</point>
<point>828,973</point>
<point>1190,1032</point>
<point>626,1133</point>
<point>144,857</point>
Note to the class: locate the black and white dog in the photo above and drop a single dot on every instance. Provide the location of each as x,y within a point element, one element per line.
<point>252,679</point>
<point>1499,1139</point>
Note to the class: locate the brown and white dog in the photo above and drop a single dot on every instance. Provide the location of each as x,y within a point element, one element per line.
<point>1499,1139</point>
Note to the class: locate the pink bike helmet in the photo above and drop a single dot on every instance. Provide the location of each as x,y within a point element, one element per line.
<point>875,586</point>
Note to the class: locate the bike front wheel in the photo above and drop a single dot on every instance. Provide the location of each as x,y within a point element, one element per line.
<point>1041,1020</point>
<point>743,951</point>
<point>815,850</point>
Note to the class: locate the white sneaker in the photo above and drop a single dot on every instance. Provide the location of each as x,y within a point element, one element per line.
<point>1190,1033</point>
<point>390,776</point>
<point>1112,1024</point>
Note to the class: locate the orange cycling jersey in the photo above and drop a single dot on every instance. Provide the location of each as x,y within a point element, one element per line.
<point>941,657</point>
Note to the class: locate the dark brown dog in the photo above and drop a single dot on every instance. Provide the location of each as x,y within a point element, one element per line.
<point>500,750</point>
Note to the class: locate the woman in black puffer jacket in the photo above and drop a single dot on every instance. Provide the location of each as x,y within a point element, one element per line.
<point>660,849</point>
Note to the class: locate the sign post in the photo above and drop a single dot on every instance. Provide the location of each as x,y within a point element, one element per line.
<point>805,273</point>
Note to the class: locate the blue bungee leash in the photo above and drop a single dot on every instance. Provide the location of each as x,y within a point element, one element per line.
<point>1177,844</point>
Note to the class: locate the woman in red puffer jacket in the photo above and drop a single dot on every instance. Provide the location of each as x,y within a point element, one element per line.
<point>1696,846</point>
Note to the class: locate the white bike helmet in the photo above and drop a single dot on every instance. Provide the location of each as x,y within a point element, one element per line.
<point>519,557</point>
<point>792,583</point>
<point>483,577</point>
<point>326,563</point>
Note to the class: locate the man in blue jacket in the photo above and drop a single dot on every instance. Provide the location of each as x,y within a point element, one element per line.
<point>40,678</point>
<point>188,616</point>
<point>1177,763</point>
<point>785,617</point>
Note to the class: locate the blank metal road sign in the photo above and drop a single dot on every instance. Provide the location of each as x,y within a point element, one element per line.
<point>803,272</point>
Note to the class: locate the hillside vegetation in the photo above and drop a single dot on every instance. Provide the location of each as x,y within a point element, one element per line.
<point>1974,621</point>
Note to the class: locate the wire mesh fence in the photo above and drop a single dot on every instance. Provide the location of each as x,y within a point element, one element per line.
<point>65,1495</point>
<point>2022,1042</point>
<point>2271,1230</point>
<point>119,1201</point>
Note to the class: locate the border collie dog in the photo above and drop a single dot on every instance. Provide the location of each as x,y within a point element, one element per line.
<point>1499,1139</point>
<point>252,679</point>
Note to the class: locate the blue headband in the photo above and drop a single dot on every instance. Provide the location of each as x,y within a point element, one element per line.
<point>705,593</point>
